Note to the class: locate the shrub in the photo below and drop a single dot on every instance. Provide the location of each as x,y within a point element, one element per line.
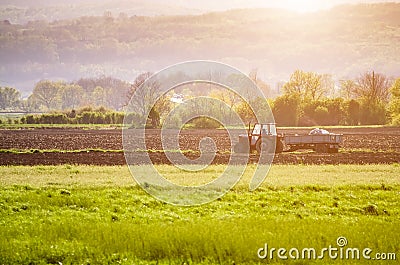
<point>30,119</point>
<point>84,118</point>
<point>396,120</point>
<point>118,117</point>
<point>99,116</point>
<point>102,109</point>
<point>108,118</point>
<point>130,118</point>
<point>59,118</point>
<point>85,109</point>
<point>134,119</point>
<point>204,123</point>
<point>54,118</point>
<point>72,114</point>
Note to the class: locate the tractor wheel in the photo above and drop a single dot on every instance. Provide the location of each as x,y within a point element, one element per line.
<point>279,146</point>
<point>264,145</point>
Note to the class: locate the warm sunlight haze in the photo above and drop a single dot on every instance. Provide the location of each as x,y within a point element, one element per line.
<point>302,6</point>
<point>208,132</point>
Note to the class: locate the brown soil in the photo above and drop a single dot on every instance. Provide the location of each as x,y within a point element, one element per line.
<point>374,145</point>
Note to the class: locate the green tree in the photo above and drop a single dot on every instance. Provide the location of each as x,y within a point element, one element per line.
<point>9,97</point>
<point>99,96</point>
<point>245,112</point>
<point>308,85</point>
<point>353,112</point>
<point>328,111</point>
<point>322,115</point>
<point>116,90</point>
<point>307,113</point>
<point>394,106</point>
<point>71,96</point>
<point>46,93</point>
<point>286,109</point>
<point>372,113</point>
<point>336,110</point>
<point>29,104</point>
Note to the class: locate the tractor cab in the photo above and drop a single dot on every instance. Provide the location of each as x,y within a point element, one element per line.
<point>267,129</point>
<point>262,136</point>
<point>260,130</point>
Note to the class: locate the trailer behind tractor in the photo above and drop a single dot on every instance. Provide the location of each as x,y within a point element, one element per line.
<point>264,138</point>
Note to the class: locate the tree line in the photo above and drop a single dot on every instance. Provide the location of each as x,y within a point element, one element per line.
<point>59,95</point>
<point>372,98</point>
<point>308,99</point>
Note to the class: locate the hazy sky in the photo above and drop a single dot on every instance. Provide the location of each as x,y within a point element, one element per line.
<point>294,5</point>
<point>191,6</point>
<point>307,5</point>
<point>298,5</point>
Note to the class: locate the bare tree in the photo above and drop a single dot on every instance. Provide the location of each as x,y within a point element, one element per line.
<point>328,85</point>
<point>139,80</point>
<point>373,87</point>
<point>265,88</point>
<point>230,98</point>
<point>347,88</point>
<point>144,97</point>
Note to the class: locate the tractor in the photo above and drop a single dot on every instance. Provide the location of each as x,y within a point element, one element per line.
<point>262,138</point>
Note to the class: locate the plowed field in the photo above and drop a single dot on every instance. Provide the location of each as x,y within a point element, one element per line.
<point>104,147</point>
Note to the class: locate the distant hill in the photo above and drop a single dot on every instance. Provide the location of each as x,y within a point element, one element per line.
<point>343,41</point>
<point>22,11</point>
<point>60,10</point>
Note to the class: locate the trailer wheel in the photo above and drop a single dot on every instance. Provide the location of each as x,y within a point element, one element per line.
<point>333,150</point>
<point>321,148</point>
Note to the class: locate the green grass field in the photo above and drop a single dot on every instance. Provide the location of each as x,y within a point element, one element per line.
<point>98,215</point>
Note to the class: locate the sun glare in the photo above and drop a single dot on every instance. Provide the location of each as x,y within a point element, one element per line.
<point>302,6</point>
